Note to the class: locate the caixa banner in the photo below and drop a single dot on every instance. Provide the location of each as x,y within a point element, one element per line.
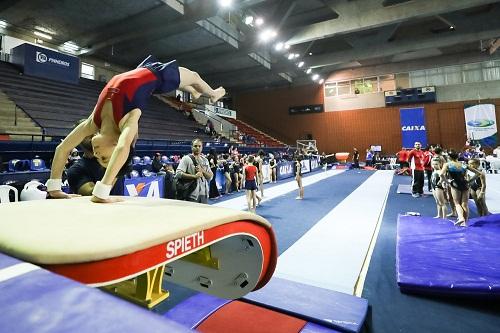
<point>46,63</point>
<point>285,169</point>
<point>149,187</point>
<point>413,127</point>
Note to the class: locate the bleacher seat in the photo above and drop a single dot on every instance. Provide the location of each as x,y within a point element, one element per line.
<point>37,164</point>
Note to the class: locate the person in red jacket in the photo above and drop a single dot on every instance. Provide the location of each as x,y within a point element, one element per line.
<point>416,160</point>
<point>428,155</point>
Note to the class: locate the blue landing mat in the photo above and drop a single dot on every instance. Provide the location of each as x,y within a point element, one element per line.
<point>436,257</point>
<point>41,301</point>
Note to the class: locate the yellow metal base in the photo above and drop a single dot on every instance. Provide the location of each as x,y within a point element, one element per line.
<point>144,290</point>
<point>203,257</point>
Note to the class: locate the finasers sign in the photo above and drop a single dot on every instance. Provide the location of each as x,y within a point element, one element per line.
<point>43,58</point>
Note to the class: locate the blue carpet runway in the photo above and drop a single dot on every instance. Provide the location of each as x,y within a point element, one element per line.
<point>392,311</point>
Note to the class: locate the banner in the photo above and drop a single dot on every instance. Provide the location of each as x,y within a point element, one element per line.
<point>149,187</point>
<point>413,126</point>
<point>480,124</point>
<point>223,112</point>
<point>306,166</point>
<point>284,170</point>
<point>315,163</point>
<point>46,63</point>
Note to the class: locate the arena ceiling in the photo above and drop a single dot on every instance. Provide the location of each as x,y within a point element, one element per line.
<point>327,35</point>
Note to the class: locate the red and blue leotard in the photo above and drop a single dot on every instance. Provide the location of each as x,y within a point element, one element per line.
<point>132,89</point>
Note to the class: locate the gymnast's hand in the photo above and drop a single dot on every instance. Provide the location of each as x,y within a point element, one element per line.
<point>108,200</point>
<point>62,195</point>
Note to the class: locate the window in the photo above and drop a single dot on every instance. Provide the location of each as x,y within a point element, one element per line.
<point>491,70</point>
<point>344,88</point>
<point>88,71</point>
<point>331,89</point>
<point>387,82</point>
<point>453,75</point>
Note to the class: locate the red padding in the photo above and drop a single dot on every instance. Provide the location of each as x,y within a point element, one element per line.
<point>248,318</point>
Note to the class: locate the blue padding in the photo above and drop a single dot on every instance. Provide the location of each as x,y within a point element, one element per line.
<point>436,257</point>
<point>194,310</point>
<point>315,328</point>
<point>40,301</point>
<point>343,312</point>
<point>6,261</point>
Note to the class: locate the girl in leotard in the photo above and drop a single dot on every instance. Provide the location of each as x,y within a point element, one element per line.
<point>459,186</point>
<point>478,188</point>
<point>249,176</point>
<point>437,188</point>
<point>298,177</point>
<point>115,119</point>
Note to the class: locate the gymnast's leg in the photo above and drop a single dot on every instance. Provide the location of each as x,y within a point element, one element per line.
<point>195,93</point>
<point>193,80</point>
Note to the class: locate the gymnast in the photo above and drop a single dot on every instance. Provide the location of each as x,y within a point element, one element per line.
<point>459,185</point>
<point>114,122</point>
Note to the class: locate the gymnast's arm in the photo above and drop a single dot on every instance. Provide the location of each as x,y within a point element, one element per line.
<point>129,130</point>
<point>73,139</point>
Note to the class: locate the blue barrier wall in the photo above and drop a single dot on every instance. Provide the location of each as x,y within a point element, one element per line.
<point>46,63</point>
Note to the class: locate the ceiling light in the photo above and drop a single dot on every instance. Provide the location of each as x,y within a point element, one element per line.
<point>3,24</point>
<point>41,34</point>
<point>310,53</point>
<point>287,46</point>
<point>225,3</point>
<point>70,45</point>
<point>296,55</point>
<point>267,35</point>
<point>45,30</point>
<point>308,71</point>
<point>290,56</point>
<point>278,46</point>
<point>315,77</point>
<point>259,21</point>
<point>39,41</point>
<point>300,64</point>
<point>321,81</point>
<point>249,20</point>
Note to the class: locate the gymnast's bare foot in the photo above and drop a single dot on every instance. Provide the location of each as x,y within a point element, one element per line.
<point>219,93</point>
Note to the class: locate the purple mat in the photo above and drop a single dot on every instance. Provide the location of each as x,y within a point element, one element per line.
<point>194,310</point>
<point>332,309</point>
<point>436,257</point>
<point>41,301</point>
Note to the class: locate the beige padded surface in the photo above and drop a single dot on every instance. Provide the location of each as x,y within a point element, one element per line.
<point>77,230</point>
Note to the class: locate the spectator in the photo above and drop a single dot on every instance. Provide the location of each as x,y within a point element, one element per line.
<point>428,155</point>
<point>212,161</point>
<point>369,157</point>
<point>157,164</point>
<point>355,158</point>
<point>196,167</point>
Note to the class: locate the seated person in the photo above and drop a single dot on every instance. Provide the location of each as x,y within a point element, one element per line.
<point>84,173</point>
<point>157,164</point>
